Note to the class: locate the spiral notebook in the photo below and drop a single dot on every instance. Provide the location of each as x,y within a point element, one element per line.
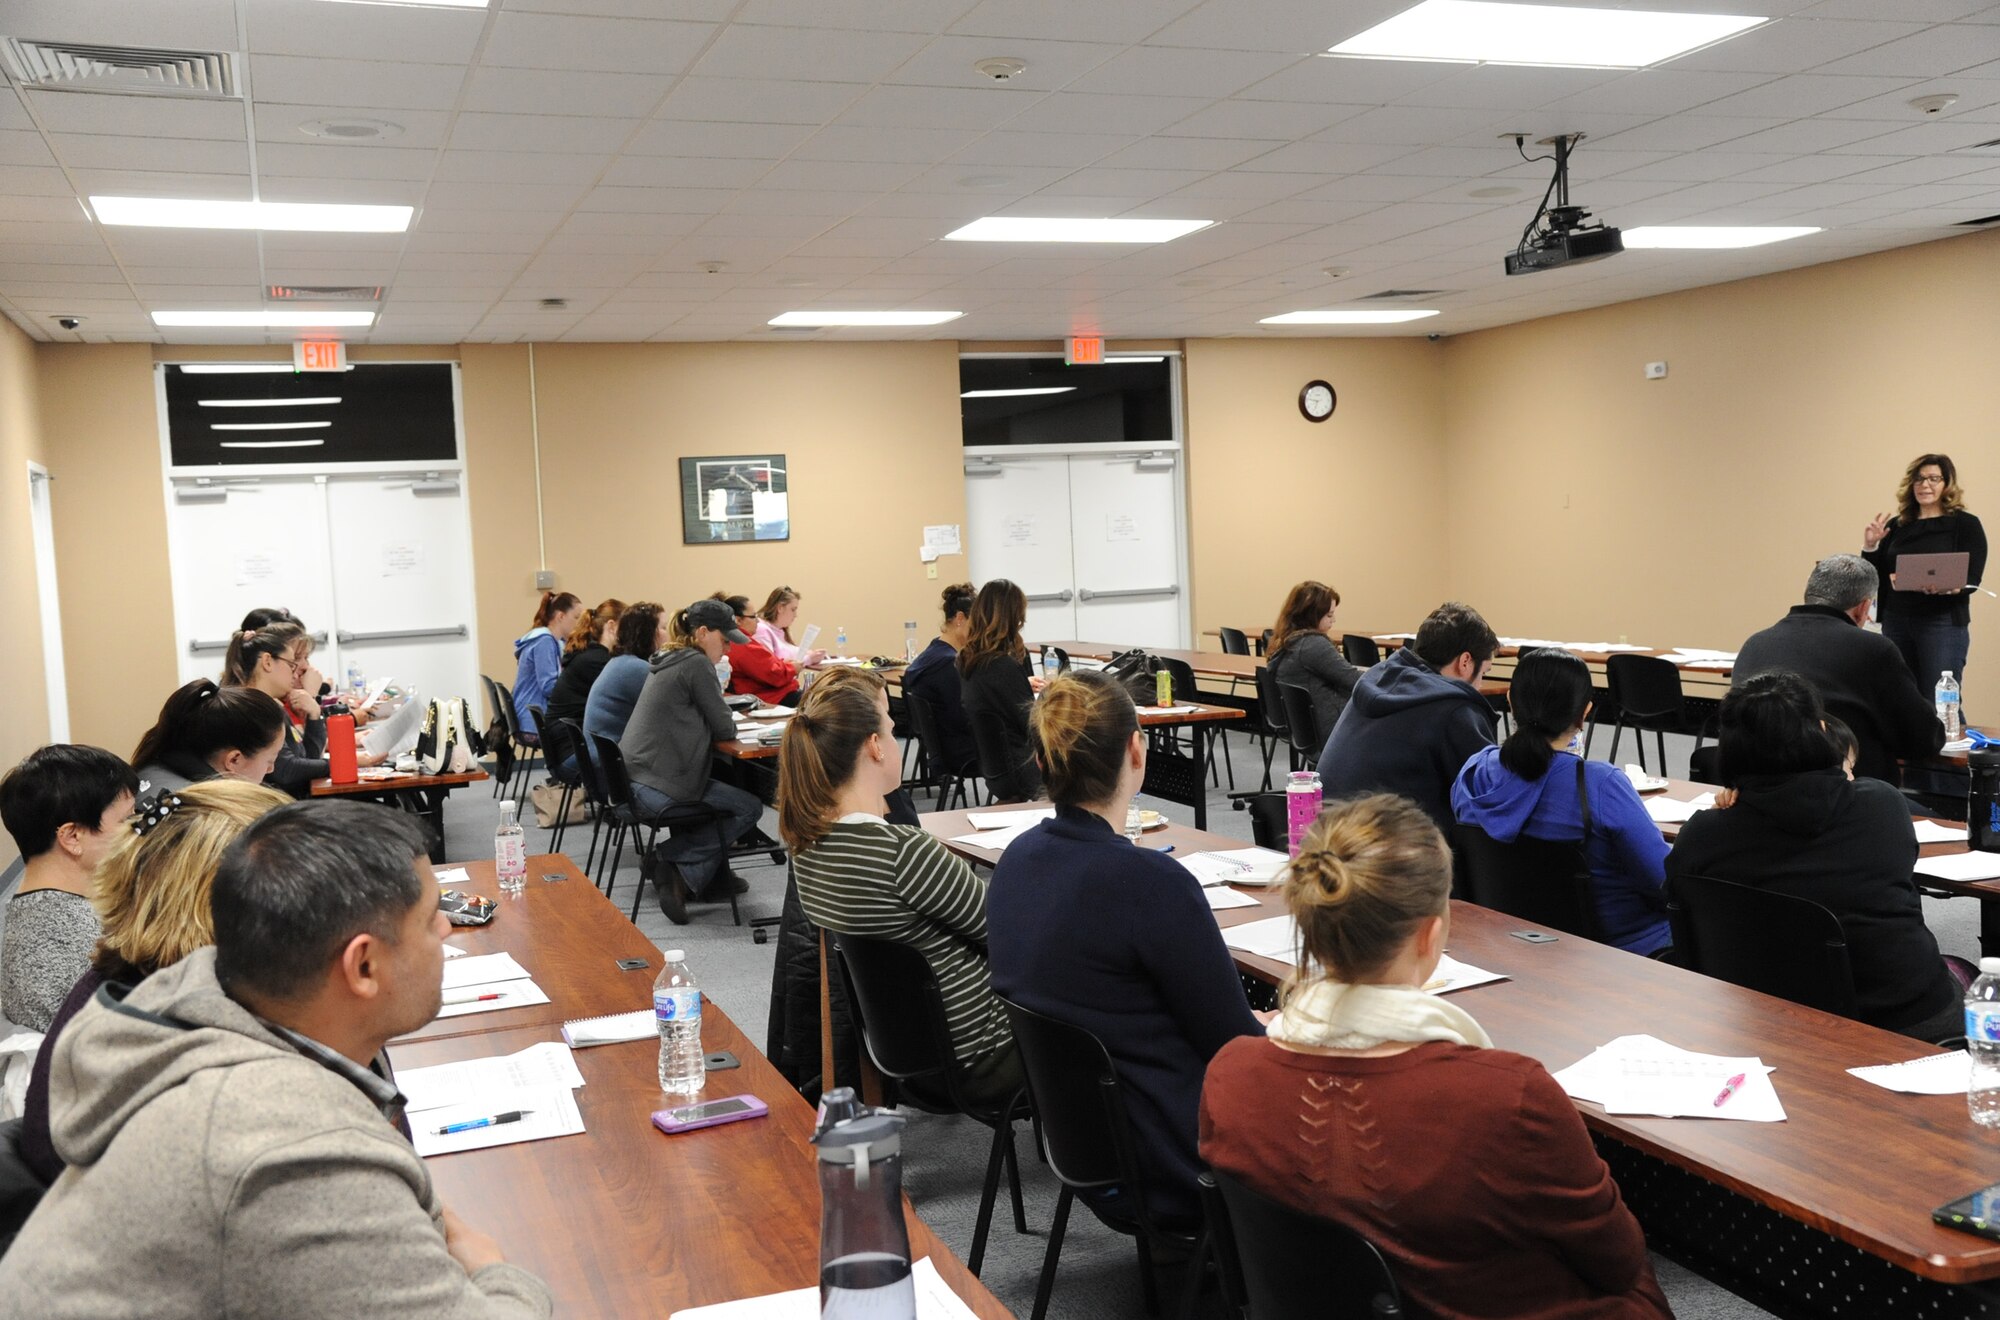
<point>610,1029</point>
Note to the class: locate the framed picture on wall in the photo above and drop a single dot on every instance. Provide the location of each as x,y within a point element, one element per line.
<point>741,497</point>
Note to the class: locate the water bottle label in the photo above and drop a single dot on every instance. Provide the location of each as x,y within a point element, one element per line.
<point>1982,1022</point>
<point>677,1005</point>
<point>511,854</point>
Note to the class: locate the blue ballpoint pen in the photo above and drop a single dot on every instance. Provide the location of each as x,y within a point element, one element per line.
<point>514,1116</point>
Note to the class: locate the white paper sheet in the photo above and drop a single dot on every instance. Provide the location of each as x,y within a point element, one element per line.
<point>482,969</point>
<point>612,1028</point>
<point>1266,865</point>
<point>513,994</point>
<point>452,877</point>
<point>1961,866</point>
<point>1646,1075</point>
<point>1957,745</point>
<point>1222,899</point>
<point>1665,809</point>
<point>993,840</point>
<point>1931,831</point>
<point>1167,710</point>
<point>1208,869</point>
<point>1934,1074</point>
<point>808,637</point>
<point>943,538</point>
<point>468,1081</point>
<point>1000,820</point>
<point>1273,937</point>
<point>1451,974</point>
<point>1641,781</point>
<point>453,951</point>
<point>553,1114</point>
<point>935,1301</point>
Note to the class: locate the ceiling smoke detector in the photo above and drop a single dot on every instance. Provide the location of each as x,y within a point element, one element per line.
<point>1001,68</point>
<point>710,267</point>
<point>1335,272</point>
<point>1935,105</point>
<point>554,304</point>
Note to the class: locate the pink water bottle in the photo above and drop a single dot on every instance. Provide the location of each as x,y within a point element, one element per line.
<point>1302,799</point>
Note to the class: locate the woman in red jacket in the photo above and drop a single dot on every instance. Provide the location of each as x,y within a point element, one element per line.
<point>771,679</point>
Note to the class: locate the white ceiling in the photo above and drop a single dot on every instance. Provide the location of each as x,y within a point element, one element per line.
<point>819,149</point>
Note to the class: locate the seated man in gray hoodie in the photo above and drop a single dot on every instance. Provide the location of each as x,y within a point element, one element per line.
<point>230,1125</point>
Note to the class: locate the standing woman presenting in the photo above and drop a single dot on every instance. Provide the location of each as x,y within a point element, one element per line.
<point>1932,629</point>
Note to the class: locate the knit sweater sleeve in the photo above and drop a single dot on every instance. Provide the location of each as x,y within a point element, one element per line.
<point>1182,947</point>
<point>1972,536</point>
<point>1329,666</point>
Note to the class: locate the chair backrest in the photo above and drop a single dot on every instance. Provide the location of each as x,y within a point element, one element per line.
<point>1539,880</point>
<point>502,711</point>
<point>1644,686</point>
<point>591,778</point>
<point>1182,674</point>
<point>1285,1262</point>
<point>20,1189</point>
<point>902,1010</point>
<point>1360,649</point>
<point>924,715</point>
<point>1779,944</point>
<point>1086,1132</point>
<point>1301,721</point>
<point>1270,703</point>
<point>1234,641</point>
<point>1705,765</point>
<point>1270,824</point>
<point>510,718</point>
<point>611,772</point>
<point>556,745</point>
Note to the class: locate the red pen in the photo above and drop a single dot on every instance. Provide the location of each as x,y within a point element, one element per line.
<point>1729,1089</point>
<point>494,994</point>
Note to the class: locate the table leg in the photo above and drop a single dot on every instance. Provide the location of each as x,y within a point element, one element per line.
<point>1200,803</point>
<point>431,807</point>
<point>1989,928</point>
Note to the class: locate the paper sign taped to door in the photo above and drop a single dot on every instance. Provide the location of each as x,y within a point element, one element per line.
<point>1120,527</point>
<point>402,558</point>
<point>1018,531</point>
<point>255,566</point>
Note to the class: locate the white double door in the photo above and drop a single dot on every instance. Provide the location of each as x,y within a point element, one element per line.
<point>379,566</point>
<point>1095,540</point>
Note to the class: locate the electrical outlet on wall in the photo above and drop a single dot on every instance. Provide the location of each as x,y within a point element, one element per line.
<point>930,570</point>
<point>545,580</point>
<point>1656,371</point>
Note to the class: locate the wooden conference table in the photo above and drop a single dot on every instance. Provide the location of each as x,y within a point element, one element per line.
<point>621,1220</point>
<point>423,794</point>
<point>1750,1203</point>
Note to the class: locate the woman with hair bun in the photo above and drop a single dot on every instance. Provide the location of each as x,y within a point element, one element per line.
<point>1086,927</point>
<point>1388,1111</point>
<point>207,732</point>
<point>933,675</point>
<point>276,660</point>
<point>1537,786</point>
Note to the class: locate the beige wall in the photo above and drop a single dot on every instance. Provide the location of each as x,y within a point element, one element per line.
<point>1586,502</point>
<point>1274,498</point>
<point>27,724</point>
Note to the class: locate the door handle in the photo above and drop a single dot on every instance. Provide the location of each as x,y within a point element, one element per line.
<point>1126,593</point>
<point>403,634</point>
<point>1064,595</point>
<point>201,646</point>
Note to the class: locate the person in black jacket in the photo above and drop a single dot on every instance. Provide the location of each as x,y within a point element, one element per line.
<point>585,654</point>
<point>1799,826</point>
<point>993,670</point>
<point>1932,629</point>
<point>1859,676</point>
<point>1416,718</point>
<point>1302,653</point>
<point>933,676</point>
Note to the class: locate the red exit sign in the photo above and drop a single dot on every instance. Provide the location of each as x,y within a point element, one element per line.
<point>1084,351</point>
<point>319,355</point>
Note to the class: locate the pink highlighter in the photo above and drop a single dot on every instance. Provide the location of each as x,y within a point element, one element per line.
<point>686,1118</point>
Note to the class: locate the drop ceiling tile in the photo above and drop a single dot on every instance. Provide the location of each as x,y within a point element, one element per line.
<point>1663,91</point>
<point>797,228</point>
<point>1976,96</point>
<point>1938,11</point>
<point>334,163</point>
<point>948,61</point>
<point>138,116</point>
<point>613,226</point>
<point>69,273</point>
<point>88,151</point>
<point>1920,139</point>
<point>546,91</point>
<point>280,122</point>
<point>749,51</point>
<point>442,218</point>
<point>1300,210</point>
<point>1941,50</point>
<point>773,201</point>
<point>551,167</point>
<point>35,181</point>
<point>564,273</point>
<point>996,183</point>
<point>1207,73</point>
<point>663,230</point>
<point>706,9</point>
<point>917,146</point>
<point>1122,21</point>
<point>1251,185</point>
<point>975,108</point>
<point>1805,94</point>
<point>1421,125</point>
<point>1042,150</point>
<point>1179,153</point>
<point>362,32</point>
<point>196,24</point>
<point>1687,133</point>
<point>1329,80</point>
<point>759,100</point>
<point>19,147</point>
<point>661,201</point>
<point>1806,136</point>
<point>378,85</point>
<point>743,141</point>
<point>1139,185</point>
<point>459,194</point>
<point>604,45</point>
<point>1796,45</point>
<point>1371,188</point>
<point>370,192</point>
<point>1505,87</point>
<point>1291,26</point>
<point>494,263</point>
<point>1319,157</point>
<point>838,175</point>
<point>1923,169</point>
<point>490,132</point>
<point>684,172</point>
<point>1074,111</point>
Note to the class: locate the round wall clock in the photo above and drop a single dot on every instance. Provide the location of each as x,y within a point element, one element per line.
<point>1316,401</point>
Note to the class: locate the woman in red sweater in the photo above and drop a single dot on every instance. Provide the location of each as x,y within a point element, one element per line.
<point>1387,1110</point>
<point>753,669</point>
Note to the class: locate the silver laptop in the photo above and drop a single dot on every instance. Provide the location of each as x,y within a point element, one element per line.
<point>1933,572</point>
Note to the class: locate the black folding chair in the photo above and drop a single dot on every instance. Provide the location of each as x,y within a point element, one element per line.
<point>989,737</point>
<point>1088,1142</point>
<point>1234,641</point>
<point>557,748</point>
<point>1538,880</point>
<point>943,775</point>
<point>1360,650</point>
<point>627,818</point>
<point>1779,944</point>
<point>1301,725</point>
<point>525,745</point>
<point>1180,675</point>
<point>503,750</point>
<point>1278,1261</point>
<point>903,1024</point>
<point>1646,696</point>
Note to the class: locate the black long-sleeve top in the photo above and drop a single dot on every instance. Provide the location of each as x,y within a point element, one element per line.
<point>1948,533</point>
<point>999,686</point>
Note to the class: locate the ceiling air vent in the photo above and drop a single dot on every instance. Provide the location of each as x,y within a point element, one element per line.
<point>1982,220</point>
<point>323,292</point>
<point>68,66</point>
<point>1400,295</point>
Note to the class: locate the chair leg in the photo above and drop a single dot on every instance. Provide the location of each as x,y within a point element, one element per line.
<point>1051,1256</point>
<point>1014,1182</point>
<point>987,1195</point>
<point>1149,1286</point>
<point>1196,1272</point>
<point>1589,736</point>
<point>1661,736</point>
<point>1617,732</point>
<point>562,819</point>
<point>596,827</point>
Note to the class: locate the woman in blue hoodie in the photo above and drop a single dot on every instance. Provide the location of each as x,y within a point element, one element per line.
<point>538,654</point>
<point>1527,786</point>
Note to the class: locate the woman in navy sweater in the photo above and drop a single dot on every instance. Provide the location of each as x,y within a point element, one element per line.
<point>1084,927</point>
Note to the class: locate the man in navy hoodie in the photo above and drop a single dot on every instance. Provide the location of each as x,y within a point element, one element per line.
<point>1417,716</point>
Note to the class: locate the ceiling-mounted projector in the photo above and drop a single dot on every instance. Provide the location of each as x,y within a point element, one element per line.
<point>1561,234</point>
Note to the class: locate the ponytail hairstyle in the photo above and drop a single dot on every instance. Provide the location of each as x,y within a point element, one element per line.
<point>638,626</point>
<point>998,612</point>
<point>201,719</point>
<point>738,605</point>
<point>276,640</point>
<point>957,601</point>
<point>680,632</point>
<point>590,627</point>
<point>1080,728</point>
<point>1370,871</point>
<point>1305,605</point>
<point>1549,692</point>
<point>777,600</point>
<point>821,749</point>
<point>264,616</point>
<point>554,603</point>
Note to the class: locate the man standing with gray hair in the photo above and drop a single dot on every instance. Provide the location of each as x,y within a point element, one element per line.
<point>1861,676</point>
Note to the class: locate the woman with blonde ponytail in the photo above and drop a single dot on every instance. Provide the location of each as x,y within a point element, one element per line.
<point>1387,1110</point>
<point>1092,929</point>
<point>860,875</point>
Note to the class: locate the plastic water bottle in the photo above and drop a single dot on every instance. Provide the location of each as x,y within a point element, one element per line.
<point>864,1243</point>
<point>510,850</point>
<point>357,683</point>
<point>1947,707</point>
<point>722,672</point>
<point>1982,1042</point>
<point>840,637</point>
<point>1051,666</point>
<point>677,1010</point>
<point>909,639</point>
<point>1302,802</point>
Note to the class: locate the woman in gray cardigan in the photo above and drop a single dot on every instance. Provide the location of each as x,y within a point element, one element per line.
<point>1302,654</point>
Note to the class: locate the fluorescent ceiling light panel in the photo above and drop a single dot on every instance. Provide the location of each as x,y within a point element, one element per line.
<point>1344,318</point>
<point>1014,394</point>
<point>267,318</point>
<point>1035,229</point>
<point>237,368</point>
<point>268,426</point>
<point>423,4</point>
<point>1713,236</point>
<point>269,403</point>
<point>1479,32</point>
<point>863,318</point>
<point>269,444</point>
<point>1126,357</point>
<point>192,213</point>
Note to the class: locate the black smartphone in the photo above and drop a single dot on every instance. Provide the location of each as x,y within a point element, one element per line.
<point>720,1060</point>
<point>632,964</point>
<point>1978,1213</point>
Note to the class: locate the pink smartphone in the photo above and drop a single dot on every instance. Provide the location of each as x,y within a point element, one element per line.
<point>709,1113</point>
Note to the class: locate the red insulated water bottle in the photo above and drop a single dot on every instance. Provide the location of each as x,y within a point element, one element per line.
<point>340,754</point>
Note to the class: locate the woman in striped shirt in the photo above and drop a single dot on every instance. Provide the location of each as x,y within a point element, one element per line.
<point>860,875</point>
